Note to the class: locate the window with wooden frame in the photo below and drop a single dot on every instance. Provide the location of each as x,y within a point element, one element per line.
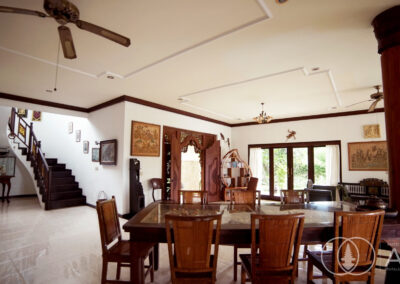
<point>291,165</point>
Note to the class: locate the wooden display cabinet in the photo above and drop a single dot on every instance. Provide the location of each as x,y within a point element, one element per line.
<point>235,172</point>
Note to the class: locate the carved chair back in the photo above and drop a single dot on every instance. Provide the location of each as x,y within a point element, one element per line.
<point>357,234</point>
<point>109,223</point>
<point>193,196</point>
<point>252,185</point>
<point>293,196</point>
<point>275,245</point>
<point>156,183</point>
<point>243,197</point>
<point>190,241</point>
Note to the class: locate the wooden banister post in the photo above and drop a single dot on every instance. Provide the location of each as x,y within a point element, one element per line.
<point>30,139</point>
<point>387,32</point>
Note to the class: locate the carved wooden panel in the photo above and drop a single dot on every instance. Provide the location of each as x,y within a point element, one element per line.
<point>212,171</point>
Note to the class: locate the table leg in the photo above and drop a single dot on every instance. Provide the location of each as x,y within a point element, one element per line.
<point>8,192</point>
<point>156,256</point>
<point>137,270</point>
<point>2,196</point>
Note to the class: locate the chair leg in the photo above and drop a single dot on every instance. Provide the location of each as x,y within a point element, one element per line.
<point>305,250</point>
<point>151,260</point>
<point>104,272</point>
<point>243,276</point>
<point>118,270</point>
<point>309,271</point>
<point>235,263</point>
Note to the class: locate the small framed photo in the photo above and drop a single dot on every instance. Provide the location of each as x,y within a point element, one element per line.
<point>23,112</point>
<point>36,115</point>
<point>95,154</point>
<point>108,152</point>
<point>70,127</point>
<point>372,131</point>
<point>78,136</point>
<point>85,147</point>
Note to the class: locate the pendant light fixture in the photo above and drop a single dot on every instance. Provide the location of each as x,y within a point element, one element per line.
<point>263,117</point>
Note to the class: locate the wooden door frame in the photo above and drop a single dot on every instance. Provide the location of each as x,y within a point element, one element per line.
<point>207,139</point>
<point>289,146</point>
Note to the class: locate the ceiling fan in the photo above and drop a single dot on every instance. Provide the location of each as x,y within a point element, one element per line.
<point>375,98</point>
<point>65,12</point>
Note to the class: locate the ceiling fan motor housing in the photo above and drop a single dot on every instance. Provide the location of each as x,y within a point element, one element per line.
<point>62,11</point>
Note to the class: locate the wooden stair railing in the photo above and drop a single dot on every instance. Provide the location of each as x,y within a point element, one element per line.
<point>57,185</point>
<point>27,137</point>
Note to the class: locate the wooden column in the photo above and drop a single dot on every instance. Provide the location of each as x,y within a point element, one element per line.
<point>387,31</point>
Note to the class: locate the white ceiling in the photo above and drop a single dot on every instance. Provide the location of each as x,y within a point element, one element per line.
<point>222,57</point>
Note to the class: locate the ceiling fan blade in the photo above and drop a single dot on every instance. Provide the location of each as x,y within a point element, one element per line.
<point>103,32</point>
<point>67,42</point>
<point>359,103</point>
<point>4,9</point>
<point>373,105</point>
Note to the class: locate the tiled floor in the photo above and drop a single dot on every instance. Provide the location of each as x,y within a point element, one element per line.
<point>63,246</point>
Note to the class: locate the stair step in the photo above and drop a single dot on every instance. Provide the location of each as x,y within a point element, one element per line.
<point>63,180</point>
<point>58,167</point>
<point>51,161</point>
<point>55,204</point>
<point>66,187</point>
<point>24,151</point>
<point>58,174</point>
<point>66,194</point>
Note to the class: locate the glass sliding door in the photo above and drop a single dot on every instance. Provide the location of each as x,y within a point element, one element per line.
<point>320,165</point>
<point>264,186</point>
<point>280,170</point>
<point>300,168</point>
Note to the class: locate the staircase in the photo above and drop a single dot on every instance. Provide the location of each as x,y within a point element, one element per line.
<point>57,185</point>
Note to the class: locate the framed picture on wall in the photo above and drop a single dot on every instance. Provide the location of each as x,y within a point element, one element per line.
<point>70,127</point>
<point>108,152</point>
<point>36,115</point>
<point>23,112</point>
<point>145,139</point>
<point>77,136</point>
<point>368,156</point>
<point>95,154</point>
<point>85,147</point>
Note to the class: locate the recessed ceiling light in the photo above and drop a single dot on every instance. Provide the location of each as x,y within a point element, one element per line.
<point>110,77</point>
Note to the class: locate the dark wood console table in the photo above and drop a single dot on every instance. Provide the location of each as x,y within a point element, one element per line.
<point>5,180</point>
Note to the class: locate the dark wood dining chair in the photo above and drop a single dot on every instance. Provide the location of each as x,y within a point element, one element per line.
<point>275,242</point>
<point>193,196</point>
<point>294,196</point>
<point>355,246</point>
<point>243,197</point>
<point>117,250</point>
<point>297,197</point>
<point>190,241</point>
<point>156,184</point>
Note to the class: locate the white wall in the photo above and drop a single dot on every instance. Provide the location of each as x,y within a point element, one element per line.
<point>345,128</point>
<point>21,184</point>
<point>151,166</point>
<point>103,124</point>
<point>113,122</point>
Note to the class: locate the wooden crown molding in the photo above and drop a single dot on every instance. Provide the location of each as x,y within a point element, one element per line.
<point>308,117</point>
<point>174,110</point>
<point>40,102</point>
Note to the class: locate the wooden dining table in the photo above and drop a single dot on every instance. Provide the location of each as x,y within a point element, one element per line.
<point>149,224</point>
